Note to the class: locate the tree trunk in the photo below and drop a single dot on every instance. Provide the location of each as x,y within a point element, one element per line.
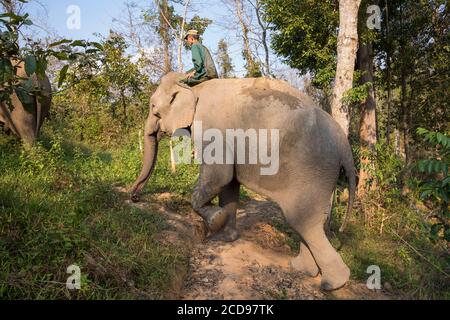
<point>404,116</point>
<point>403,79</point>
<point>246,51</point>
<point>164,34</point>
<point>124,108</point>
<point>181,37</point>
<point>367,129</point>
<point>263,37</point>
<point>388,75</point>
<point>346,55</point>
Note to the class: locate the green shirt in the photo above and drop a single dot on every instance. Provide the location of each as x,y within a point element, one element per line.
<point>198,58</point>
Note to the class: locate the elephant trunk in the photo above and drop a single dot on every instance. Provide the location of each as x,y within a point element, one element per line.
<point>151,139</point>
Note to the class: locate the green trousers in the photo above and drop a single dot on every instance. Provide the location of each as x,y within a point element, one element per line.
<point>193,82</point>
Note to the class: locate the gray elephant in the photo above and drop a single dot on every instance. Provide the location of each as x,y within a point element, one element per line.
<point>27,125</point>
<point>312,149</point>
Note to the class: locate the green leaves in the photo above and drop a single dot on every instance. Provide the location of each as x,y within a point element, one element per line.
<point>62,75</point>
<point>304,34</point>
<point>12,21</point>
<point>443,140</point>
<point>30,65</point>
<point>432,166</point>
<point>78,43</point>
<point>434,137</point>
<point>6,70</point>
<point>80,53</point>
<point>97,45</point>
<point>436,186</point>
<point>41,68</point>
<point>26,99</point>
<point>58,43</point>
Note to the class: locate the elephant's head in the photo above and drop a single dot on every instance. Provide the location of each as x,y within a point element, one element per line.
<point>172,107</point>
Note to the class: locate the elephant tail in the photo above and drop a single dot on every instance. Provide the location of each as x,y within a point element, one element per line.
<point>350,171</point>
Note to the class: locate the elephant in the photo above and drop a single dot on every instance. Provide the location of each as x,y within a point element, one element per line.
<point>27,125</point>
<point>312,149</point>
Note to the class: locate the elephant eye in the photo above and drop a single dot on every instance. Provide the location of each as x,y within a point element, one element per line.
<point>173,97</point>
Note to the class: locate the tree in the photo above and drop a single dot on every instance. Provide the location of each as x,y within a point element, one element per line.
<point>137,27</point>
<point>414,72</point>
<point>121,76</point>
<point>304,35</point>
<point>347,44</point>
<point>368,120</point>
<point>264,26</point>
<point>13,6</point>
<point>173,27</point>
<point>224,60</point>
<point>251,65</point>
<point>105,105</point>
<point>165,16</point>
<point>35,56</point>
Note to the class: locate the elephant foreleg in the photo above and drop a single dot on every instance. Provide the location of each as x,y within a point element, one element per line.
<point>210,183</point>
<point>228,200</point>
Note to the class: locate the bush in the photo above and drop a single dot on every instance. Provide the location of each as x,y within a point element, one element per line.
<point>434,183</point>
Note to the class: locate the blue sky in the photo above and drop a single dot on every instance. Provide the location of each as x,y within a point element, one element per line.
<point>97,17</point>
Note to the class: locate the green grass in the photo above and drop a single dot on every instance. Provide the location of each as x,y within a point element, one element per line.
<point>411,275</point>
<point>60,206</point>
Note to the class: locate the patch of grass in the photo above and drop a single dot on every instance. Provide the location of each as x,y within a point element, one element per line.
<point>59,206</point>
<point>411,274</point>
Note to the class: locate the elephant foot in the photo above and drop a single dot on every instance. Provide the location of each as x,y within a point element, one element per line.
<point>216,219</point>
<point>305,264</point>
<point>226,235</point>
<point>335,279</point>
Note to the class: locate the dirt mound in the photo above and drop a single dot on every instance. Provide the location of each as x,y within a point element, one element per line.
<point>256,266</point>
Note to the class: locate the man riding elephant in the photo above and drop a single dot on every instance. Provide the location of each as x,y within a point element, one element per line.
<point>204,68</point>
<point>230,120</point>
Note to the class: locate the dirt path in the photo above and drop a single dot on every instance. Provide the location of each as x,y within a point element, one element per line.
<point>256,266</point>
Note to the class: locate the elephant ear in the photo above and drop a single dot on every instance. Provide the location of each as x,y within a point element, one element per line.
<point>182,109</point>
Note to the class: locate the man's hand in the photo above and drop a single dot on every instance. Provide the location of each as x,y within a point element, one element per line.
<point>190,74</point>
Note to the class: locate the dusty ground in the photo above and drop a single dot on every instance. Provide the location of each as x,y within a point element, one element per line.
<point>254,267</point>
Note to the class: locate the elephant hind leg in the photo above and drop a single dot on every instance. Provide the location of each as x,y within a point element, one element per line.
<point>305,262</point>
<point>308,220</point>
<point>335,272</point>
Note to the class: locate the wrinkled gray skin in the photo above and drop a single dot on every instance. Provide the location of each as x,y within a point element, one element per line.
<point>24,124</point>
<point>313,148</point>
